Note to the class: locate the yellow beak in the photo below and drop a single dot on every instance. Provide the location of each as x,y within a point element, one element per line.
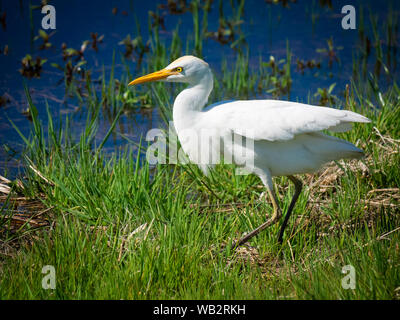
<point>158,75</point>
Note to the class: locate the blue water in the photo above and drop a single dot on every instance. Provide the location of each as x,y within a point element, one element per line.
<point>267,29</point>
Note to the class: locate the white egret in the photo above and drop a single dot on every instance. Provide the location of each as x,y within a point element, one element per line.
<point>286,137</point>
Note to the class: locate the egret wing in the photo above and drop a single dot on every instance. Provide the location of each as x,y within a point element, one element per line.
<point>276,120</point>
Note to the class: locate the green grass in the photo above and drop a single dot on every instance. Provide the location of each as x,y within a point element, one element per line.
<point>116,228</point>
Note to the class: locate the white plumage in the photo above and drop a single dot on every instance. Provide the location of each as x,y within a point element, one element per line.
<point>284,138</point>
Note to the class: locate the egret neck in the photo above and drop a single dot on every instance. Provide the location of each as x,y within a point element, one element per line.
<point>190,102</point>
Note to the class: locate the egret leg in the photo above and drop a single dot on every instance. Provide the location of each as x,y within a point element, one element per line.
<point>275,216</point>
<point>297,190</point>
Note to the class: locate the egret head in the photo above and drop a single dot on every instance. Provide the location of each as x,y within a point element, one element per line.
<point>187,69</point>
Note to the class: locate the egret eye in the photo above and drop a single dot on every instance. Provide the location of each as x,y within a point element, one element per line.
<point>179,69</point>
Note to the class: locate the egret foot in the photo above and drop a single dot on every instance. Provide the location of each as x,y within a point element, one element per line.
<point>297,190</point>
<point>275,217</point>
